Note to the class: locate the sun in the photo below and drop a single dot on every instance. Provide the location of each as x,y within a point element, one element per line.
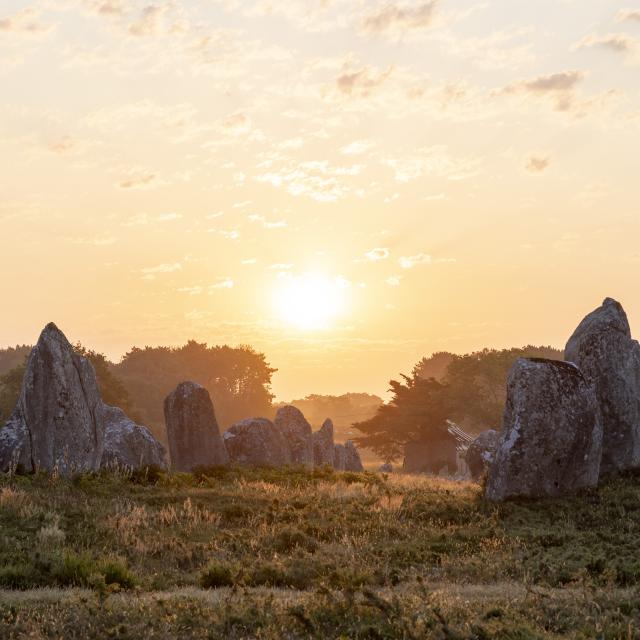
<point>310,301</point>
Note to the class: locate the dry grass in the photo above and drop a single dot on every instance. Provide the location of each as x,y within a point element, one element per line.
<point>299,553</point>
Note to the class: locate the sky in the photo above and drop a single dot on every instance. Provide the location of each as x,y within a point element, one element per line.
<point>346,185</point>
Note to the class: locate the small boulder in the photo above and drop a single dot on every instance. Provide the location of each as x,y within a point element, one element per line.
<point>128,445</point>
<point>323,445</point>
<point>551,441</point>
<point>481,453</point>
<point>339,457</point>
<point>257,442</point>
<point>387,467</point>
<point>192,429</point>
<point>352,460</point>
<point>297,432</point>
<point>58,422</point>
<point>610,359</point>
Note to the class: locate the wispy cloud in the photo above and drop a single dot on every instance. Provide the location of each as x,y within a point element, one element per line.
<point>376,255</point>
<point>398,17</point>
<point>27,21</point>
<point>267,224</point>
<point>537,164</point>
<point>139,180</point>
<point>408,262</point>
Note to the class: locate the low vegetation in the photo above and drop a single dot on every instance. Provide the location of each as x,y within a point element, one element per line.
<point>300,553</point>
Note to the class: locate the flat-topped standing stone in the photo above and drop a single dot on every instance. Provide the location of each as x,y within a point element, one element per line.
<point>607,355</point>
<point>58,423</point>
<point>129,445</point>
<point>323,445</point>
<point>482,452</point>
<point>297,432</point>
<point>192,429</point>
<point>257,442</point>
<point>551,441</point>
<point>352,460</point>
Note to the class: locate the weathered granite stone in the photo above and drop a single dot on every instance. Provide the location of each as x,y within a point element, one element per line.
<point>323,445</point>
<point>387,467</point>
<point>128,445</point>
<point>256,442</point>
<point>339,457</point>
<point>58,423</point>
<point>352,460</point>
<point>192,428</point>
<point>607,355</point>
<point>551,441</point>
<point>297,432</point>
<point>481,453</point>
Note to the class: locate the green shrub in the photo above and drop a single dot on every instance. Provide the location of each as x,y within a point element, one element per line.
<point>115,571</point>
<point>216,575</point>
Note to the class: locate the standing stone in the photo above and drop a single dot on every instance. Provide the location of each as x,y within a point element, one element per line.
<point>481,453</point>
<point>58,423</point>
<point>551,441</point>
<point>128,445</point>
<point>257,442</point>
<point>297,432</point>
<point>352,460</point>
<point>323,445</point>
<point>603,349</point>
<point>192,428</point>
<point>339,457</point>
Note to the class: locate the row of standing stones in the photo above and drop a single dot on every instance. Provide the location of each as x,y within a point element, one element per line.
<point>60,424</point>
<point>567,423</point>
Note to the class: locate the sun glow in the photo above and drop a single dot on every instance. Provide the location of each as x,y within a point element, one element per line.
<point>310,301</point>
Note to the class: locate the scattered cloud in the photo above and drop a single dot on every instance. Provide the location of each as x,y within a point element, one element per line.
<point>139,180</point>
<point>394,281</point>
<point>149,273</point>
<point>169,217</point>
<point>27,21</point>
<point>397,18</point>
<point>538,164</point>
<point>267,224</point>
<point>227,283</point>
<point>362,82</point>
<point>408,262</point>
<point>357,148</point>
<point>558,87</point>
<point>616,42</point>
<point>377,254</point>
<point>629,15</point>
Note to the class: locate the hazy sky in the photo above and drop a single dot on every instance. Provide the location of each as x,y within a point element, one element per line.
<point>347,185</point>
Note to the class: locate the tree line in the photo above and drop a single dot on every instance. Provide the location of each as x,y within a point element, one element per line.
<point>467,389</point>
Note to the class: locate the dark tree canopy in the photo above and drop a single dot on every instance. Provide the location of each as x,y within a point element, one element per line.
<point>113,391</point>
<point>469,389</point>
<point>238,379</point>
<point>12,357</point>
<point>417,412</point>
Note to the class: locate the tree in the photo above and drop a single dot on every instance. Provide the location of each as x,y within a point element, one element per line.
<point>238,379</point>
<point>417,412</point>
<point>10,385</point>
<point>112,389</point>
<point>471,390</point>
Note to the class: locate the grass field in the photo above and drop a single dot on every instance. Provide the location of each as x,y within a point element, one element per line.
<point>229,553</point>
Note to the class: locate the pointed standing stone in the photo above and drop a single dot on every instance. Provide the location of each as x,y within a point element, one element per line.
<point>58,423</point>
<point>323,445</point>
<point>607,355</point>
